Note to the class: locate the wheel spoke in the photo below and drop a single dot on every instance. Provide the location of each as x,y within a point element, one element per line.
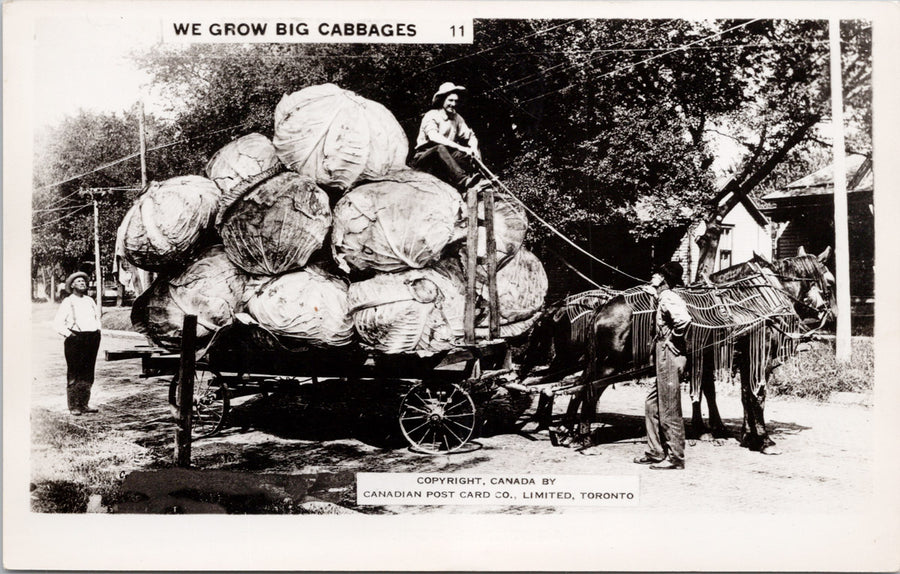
<point>405,417</point>
<point>430,429</point>
<point>456,406</point>
<point>460,425</point>
<point>454,434</point>
<point>461,415</point>
<point>417,409</point>
<point>417,428</point>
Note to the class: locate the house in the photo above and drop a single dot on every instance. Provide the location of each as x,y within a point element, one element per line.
<point>803,213</point>
<point>745,231</point>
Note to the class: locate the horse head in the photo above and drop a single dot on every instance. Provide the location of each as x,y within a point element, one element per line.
<point>811,285</point>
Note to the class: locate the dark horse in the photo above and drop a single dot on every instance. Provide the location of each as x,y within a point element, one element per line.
<point>610,346</point>
<point>808,283</point>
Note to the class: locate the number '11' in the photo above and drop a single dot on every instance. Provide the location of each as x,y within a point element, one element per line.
<point>462,30</point>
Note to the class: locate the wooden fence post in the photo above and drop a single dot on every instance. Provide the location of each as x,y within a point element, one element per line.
<point>185,394</point>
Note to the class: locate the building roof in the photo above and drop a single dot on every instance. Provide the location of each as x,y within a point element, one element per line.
<point>821,182</point>
<point>753,209</point>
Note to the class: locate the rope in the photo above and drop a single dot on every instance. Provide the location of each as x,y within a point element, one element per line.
<point>493,179</point>
<point>576,271</point>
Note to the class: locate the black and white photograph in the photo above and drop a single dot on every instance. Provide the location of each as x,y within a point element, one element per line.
<point>450,286</point>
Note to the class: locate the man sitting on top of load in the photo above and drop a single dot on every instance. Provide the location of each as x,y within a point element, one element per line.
<point>445,145</point>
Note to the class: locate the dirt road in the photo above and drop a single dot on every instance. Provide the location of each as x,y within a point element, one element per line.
<point>826,462</point>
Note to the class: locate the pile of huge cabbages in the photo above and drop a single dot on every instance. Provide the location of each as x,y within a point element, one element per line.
<point>324,237</point>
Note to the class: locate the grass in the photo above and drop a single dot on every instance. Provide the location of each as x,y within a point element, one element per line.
<point>815,374</point>
<point>71,461</point>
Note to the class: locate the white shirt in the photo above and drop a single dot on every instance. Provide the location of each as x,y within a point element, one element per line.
<point>79,314</point>
<point>672,316</point>
<point>438,122</point>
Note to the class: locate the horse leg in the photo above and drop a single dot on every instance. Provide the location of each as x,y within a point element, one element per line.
<point>708,389</point>
<point>697,425</point>
<point>588,414</point>
<point>563,434</point>
<point>754,434</point>
<point>544,413</point>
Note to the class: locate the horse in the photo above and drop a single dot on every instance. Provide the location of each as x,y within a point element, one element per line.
<point>808,283</point>
<point>803,280</point>
<point>559,340</point>
<point>559,337</point>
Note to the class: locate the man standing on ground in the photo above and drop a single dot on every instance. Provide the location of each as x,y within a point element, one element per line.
<point>78,320</point>
<point>663,418</point>
<point>445,145</point>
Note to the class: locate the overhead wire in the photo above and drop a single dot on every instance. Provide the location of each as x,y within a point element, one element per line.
<point>568,65</point>
<point>491,48</point>
<point>644,61</point>
<point>56,209</point>
<point>132,156</point>
<point>58,219</point>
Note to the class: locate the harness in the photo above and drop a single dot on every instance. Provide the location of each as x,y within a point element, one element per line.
<point>754,308</point>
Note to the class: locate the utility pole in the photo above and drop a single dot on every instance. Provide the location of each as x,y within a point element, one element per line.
<point>93,193</point>
<point>841,233</point>
<point>98,273</point>
<point>143,147</point>
<point>120,288</point>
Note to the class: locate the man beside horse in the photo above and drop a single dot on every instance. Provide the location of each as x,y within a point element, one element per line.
<point>662,409</point>
<point>759,331</point>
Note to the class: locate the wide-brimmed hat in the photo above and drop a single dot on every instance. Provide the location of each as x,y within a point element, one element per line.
<point>75,276</point>
<point>672,272</point>
<point>446,89</point>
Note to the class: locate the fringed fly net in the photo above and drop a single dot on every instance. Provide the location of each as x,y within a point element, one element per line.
<point>753,309</point>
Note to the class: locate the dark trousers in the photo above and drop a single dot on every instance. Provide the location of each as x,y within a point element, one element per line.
<point>81,355</point>
<point>448,165</point>
<point>662,410</point>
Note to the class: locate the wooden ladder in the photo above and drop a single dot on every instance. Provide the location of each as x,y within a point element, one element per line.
<point>490,259</point>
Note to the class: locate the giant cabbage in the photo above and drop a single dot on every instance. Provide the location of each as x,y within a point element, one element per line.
<point>166,224</point>
<point>400,221</point>
<point>420,310</point>
<point>210,288</point>
<point>239,166</point>
<point>521,288</point>
<point>276,226</point>
<point>337,137</point>
<point>308,305</point>
<point>510,227</point>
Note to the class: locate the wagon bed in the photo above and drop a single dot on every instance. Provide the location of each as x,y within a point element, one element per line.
<point>436,414</point>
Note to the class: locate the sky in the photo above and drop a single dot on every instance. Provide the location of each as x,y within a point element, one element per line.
<point>81,62</point>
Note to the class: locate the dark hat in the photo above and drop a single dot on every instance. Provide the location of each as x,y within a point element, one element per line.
<point>75,276</point>
<point>446,89</point>
<point>672,272</point>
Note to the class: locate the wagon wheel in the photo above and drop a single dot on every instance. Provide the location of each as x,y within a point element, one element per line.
<point>211,404</point>
<point>437,418</point>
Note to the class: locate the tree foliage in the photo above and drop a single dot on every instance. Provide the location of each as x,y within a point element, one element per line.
<point>612,124</point>
<point>62,219</point>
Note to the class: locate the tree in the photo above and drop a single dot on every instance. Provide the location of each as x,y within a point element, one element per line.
<point>799,99</point>
<point>67,158</point>
<point>591,122</point>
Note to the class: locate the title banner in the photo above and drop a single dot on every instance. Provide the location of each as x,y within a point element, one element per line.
<point>410,488</point>
<point>319,30</point>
